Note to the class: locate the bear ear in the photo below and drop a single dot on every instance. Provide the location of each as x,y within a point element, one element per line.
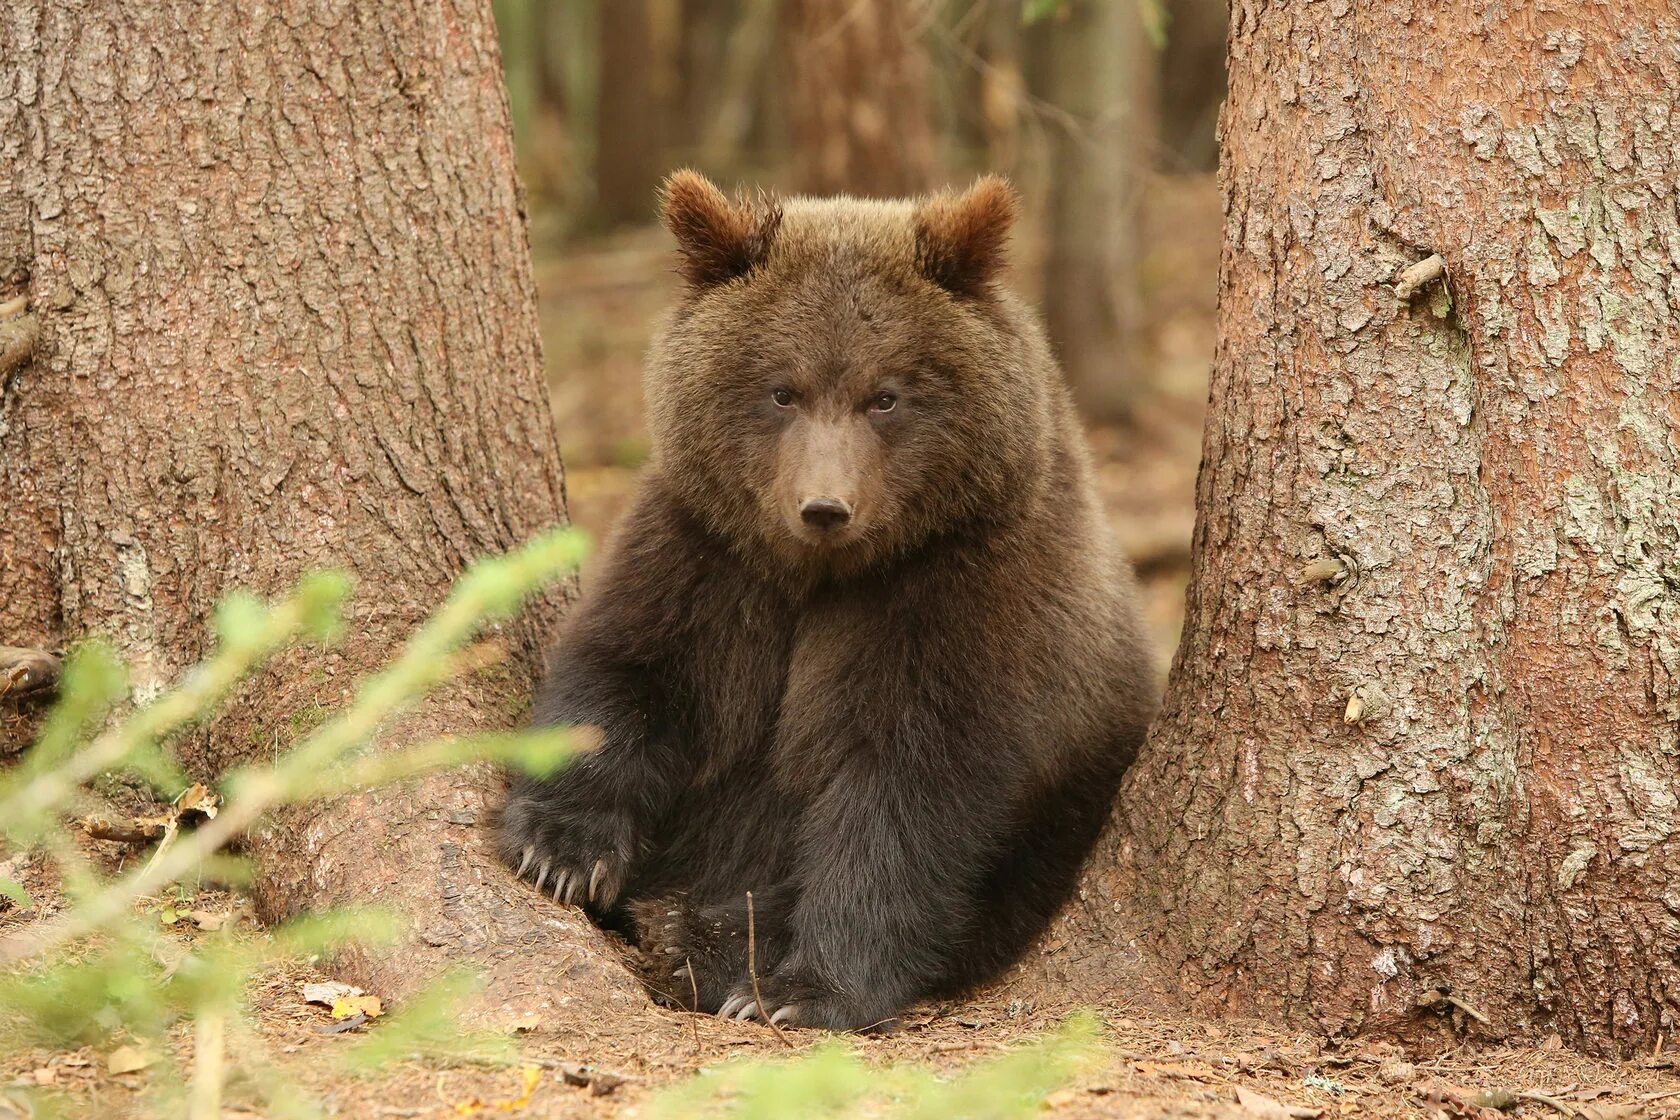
<point>719,239</point>
<point>960,237</point>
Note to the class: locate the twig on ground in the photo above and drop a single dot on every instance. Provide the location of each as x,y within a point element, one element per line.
<point>694,987</point>
<point>1562,1106</point>
<point>141,830</point>
<point>752,971</point>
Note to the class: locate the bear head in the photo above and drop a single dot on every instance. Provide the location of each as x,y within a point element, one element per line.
<point>844,379</point>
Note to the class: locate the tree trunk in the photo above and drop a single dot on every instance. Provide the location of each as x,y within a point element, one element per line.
<point>1090,67</point>
<point>1422,733</point>
<point>858,99</point>
<point>279,263</point>
<point>628,122</point>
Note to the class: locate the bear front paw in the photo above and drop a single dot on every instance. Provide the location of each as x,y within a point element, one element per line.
<point>581,858</point>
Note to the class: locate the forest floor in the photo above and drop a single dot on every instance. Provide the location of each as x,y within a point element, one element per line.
<point>599,304</point>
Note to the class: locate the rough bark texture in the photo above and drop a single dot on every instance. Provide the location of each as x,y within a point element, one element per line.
<point>1496,468</point>
<point>278,256</point>
<point>857,98</point>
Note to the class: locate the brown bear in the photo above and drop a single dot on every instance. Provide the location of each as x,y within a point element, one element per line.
<point>862,646</point>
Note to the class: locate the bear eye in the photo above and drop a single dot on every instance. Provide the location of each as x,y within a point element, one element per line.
<point>782,396</point>
<point>883,401</point>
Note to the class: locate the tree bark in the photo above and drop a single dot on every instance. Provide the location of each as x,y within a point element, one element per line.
<point>1421,735</point>
<point>858,101</point>
<point>279,261</point>
<point>628,123</point>
<point>1092,67</point>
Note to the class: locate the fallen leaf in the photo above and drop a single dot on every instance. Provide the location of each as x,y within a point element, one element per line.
<point>1610,1111</point>
<point>1258,1104</point>
<point>46,1075</point>
<point>329,992</point>
<point>207,921</point>
<point>197,799</point>
<point>128,1059</point>
<point>476,1106</point>
<point>598,1082</point>
<point>342,1025</point>
<point>370,1006</point>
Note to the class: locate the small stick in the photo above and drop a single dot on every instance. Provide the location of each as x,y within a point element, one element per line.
<point>1470,1011</point>
<point>170,831</point>
<point>1415,277</point>
<point>694,987</point>
<point>1435,997</point>
<point>752,971</point>
<point>129,832</point>
<point>1567,1110</point>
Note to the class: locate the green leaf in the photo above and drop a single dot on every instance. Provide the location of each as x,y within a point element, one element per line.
<point>1155,20</point>
<point>833,1080</point>
<point>323,595</point>
<point>240,617</point>
<point>1032,11</point>
<point>14,891</point>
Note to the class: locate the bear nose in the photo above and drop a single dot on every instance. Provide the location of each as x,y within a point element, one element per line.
<point>824,514</point>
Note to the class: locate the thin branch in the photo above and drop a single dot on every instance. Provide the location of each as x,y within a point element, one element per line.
<point>752,971</point>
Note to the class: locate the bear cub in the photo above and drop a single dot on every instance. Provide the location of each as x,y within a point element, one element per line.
<point>862,645</point>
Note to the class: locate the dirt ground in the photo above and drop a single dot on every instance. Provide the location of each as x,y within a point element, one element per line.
<point>1151,1064</point>
<point>599,303</point>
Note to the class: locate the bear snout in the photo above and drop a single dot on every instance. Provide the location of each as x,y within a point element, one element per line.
<point>825,515</point>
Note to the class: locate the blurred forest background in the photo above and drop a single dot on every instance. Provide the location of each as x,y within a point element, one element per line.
<point>1102,112</point>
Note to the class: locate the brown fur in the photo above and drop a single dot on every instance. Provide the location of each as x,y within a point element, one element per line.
<point>960,238</point>
<point>901,726</point>
<point>720,239</point>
